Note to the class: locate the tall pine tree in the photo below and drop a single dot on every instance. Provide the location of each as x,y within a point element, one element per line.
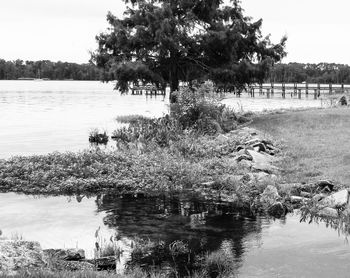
<point>164,42</point>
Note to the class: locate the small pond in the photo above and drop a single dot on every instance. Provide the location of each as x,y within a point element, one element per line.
<point>261,247</point>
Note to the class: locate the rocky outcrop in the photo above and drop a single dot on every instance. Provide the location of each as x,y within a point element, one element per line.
<point>256,154</point>
<point>337,200</point>
<point>322,199</point>
<point>73,254</point>
<point>272,202</point>
<point>16,255</point>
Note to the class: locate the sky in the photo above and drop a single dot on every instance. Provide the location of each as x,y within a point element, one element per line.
<point>317,30</point>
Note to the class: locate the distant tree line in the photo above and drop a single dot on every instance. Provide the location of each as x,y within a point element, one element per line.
<point>10,70</point>
<point>311,73</point>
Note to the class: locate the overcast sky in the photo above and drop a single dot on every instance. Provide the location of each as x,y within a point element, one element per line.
<point>317,30</point>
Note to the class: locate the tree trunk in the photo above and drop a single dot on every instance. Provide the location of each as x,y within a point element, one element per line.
<point>173,76</point>
<point>174,85</point>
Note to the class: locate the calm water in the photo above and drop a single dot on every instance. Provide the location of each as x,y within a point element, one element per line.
<point>260,247</point>
<point>41,117</point>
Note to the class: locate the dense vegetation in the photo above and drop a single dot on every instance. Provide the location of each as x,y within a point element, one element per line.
<point>167,42</point>
<point>11,70</point>
<point>311,73</point>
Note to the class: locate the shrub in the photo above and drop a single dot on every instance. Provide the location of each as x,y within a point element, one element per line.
<point>197,112</point>
<point>160,131</point>
<point>96,137</point>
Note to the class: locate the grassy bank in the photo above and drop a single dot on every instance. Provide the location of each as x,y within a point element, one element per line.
<point>315,141</point>
<point>178,167</point>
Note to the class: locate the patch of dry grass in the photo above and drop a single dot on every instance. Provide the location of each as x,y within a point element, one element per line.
<point>316,142</point>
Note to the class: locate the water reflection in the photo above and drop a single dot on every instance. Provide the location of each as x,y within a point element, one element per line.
<point>201,225</point>
<point>260,247</point>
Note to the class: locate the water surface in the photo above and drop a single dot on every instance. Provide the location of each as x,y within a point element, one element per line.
<point>40,117</point>
<point>261,247</point>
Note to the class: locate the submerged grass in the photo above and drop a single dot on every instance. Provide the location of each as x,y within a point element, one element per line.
<point>176,168</point>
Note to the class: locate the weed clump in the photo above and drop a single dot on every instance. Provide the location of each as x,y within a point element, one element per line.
<point>219,264</point>
<point>97,137</point>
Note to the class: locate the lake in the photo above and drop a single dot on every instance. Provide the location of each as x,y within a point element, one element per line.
<point>38,117</point>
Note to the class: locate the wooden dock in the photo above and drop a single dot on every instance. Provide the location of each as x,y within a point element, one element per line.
<point>148,90</point>
<point>268,90</point>
<point>297,90</point>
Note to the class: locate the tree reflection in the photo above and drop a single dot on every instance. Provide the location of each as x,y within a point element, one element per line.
<point>203,226</point>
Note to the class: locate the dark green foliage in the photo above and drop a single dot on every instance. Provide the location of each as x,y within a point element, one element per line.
<point>200,110</point>
<point>11,70</point>
<point>165,42</point>
<point>311,73</point>
<point>197,111</point>
<point>161,131</point>
<point>97,137</point>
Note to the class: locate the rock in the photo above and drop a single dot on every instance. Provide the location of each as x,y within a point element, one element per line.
<point>328,213</point>
<point>267,142</point>
<point>260,157</point>
<point>18,255</point>
<point>319,197</point>
<point>305,194</point>
<point>307,187</point>
<point>272,150</point>
<point>239,147</point>
<point>325,185</point>
<point>297,199</point>
<point>342,101</point>
<point>253,141</point>
<point>270,196</point>
<point>243,157</point>
<point>259,147</point>
<point>337,200</point>
<point>72,254</point>
<point>277,210</point>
